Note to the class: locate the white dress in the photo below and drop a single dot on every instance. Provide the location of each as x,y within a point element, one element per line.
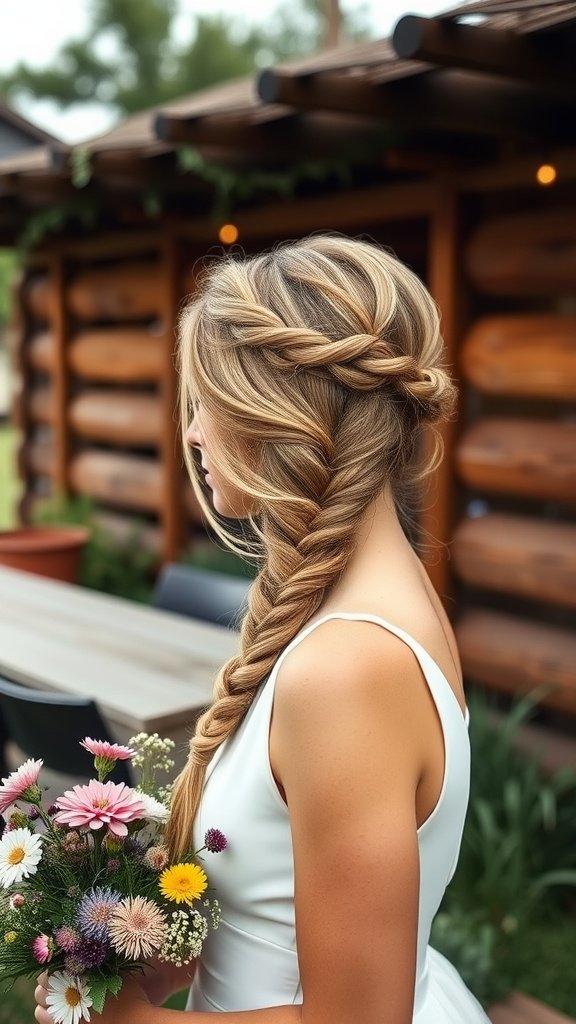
<point>251,962</point>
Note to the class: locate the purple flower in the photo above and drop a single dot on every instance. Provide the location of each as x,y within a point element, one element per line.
<point>215,841</point>
<point>68,939</point>
<point>134,849</point>
<point>91,953</point>
<point>95,910</point>
<point>74,964</point>
<point>33,813</point>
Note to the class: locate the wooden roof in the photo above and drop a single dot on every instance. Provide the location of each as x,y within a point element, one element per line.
<point>25,127</point>
<point>480,77</point>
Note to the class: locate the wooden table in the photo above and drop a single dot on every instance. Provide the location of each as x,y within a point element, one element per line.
<point>148,670</point>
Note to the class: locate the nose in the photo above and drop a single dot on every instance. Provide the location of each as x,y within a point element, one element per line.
<point>192,436</point>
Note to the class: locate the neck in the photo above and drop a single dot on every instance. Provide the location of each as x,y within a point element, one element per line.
<point>380,544</point>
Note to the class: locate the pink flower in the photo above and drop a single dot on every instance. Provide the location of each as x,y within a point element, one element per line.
<point>98,804</point>
<point>16,785</point>
<point>17,901</point>
<point>112,751</point>
<point>43,947</point>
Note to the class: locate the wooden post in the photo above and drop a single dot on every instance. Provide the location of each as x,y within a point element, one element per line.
<point>438,514</point>
<point>60,328</point>
<point>20,411</point>
<point>172,510</point>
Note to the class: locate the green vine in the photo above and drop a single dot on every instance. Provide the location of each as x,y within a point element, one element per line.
<point>232,187</point>
<point>80,166</point>
<point>54,219</point>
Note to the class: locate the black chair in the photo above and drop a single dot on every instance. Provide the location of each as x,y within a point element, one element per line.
<point>51,725</point>
<point>200,594</point>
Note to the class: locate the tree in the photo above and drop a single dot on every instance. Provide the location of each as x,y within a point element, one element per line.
<point>131,60</point>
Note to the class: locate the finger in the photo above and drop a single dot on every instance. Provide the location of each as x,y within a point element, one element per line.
<point>40,994</point>
<point>43,979</point>
<point>42,1016</point>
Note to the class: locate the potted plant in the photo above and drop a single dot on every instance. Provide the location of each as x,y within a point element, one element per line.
<point>49,550</point>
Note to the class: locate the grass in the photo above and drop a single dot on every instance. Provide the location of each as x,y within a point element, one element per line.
<point>9,482</point>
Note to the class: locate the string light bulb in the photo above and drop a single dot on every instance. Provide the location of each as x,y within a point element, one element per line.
<point>228,234</point>
<point>546,174</point>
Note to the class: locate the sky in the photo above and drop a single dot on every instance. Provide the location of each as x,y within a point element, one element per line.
<point>33,30</point>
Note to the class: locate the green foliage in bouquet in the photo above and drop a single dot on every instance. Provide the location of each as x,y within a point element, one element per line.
<point>87,892</point>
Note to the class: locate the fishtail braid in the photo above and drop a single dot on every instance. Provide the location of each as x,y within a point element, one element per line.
<point>322,358</point>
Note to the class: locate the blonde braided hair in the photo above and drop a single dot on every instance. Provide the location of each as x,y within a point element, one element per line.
<point>320,361</point>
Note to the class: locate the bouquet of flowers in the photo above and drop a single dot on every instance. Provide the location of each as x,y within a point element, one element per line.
<point>86,889</point>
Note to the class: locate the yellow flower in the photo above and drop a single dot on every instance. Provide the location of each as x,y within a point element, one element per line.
<point>10,937</point>
<point>183,883</point>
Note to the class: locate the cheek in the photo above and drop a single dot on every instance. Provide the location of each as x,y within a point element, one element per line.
<point>230,502</point>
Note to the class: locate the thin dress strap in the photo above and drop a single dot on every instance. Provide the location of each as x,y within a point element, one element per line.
<point>435,677</point>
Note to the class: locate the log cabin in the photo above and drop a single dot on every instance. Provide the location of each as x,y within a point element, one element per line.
<point>453,143</point>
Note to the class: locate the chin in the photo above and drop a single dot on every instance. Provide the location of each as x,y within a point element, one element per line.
<point>228,509</point>
<point>223,507</point>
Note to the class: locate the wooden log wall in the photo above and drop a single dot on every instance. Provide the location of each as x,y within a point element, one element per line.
<point>514,548</point>
<point>98,410</point>
<point>98,401</point>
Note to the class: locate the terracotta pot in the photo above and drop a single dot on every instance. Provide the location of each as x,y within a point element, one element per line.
<point>46,550</point>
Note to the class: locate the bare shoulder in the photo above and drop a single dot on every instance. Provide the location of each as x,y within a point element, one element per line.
<point>349,690</point>
<point>345,660</point>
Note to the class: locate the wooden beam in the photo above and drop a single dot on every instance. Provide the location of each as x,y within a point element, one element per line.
<point>37,185</point>
<point>520,555</point>
<point>60,330</point>
<point>134,243</point>
<point>118,479</point>
<point>522,457</point>
<point>515,655</point>
<point>170,447</point>
<point>519,172</point>
<point>445,100</point>
<point>531,355</point>
<point>502,52</point>
<point>278,139</point>
<point>23,328</point>
<point>340,210</point>
<point>445,284</point>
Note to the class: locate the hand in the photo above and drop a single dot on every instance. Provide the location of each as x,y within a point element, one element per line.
<point>119,1009</point>
<point>160,980</point>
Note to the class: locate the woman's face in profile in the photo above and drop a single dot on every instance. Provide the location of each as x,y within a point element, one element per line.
<point>203,435</point>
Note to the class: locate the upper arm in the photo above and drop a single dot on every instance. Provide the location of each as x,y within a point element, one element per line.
<point>349,766</point>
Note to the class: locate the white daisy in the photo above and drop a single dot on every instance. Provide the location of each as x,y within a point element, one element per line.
<point>68,998</point>
<point>154,810</point>
<point>20,854</point>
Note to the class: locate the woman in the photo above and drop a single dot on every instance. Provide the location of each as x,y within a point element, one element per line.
<point>335,756</point>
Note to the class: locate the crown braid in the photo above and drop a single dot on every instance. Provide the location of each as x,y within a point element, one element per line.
<point>325,393</point>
